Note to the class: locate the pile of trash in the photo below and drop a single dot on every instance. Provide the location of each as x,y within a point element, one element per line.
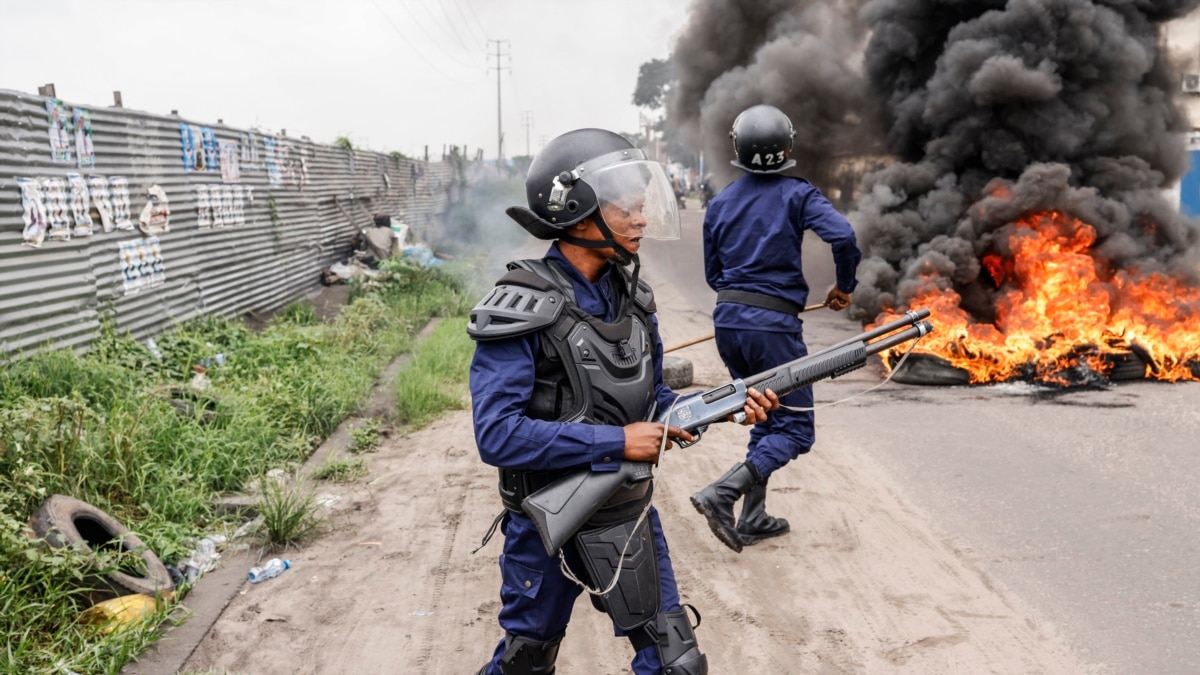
<point>389,238</point>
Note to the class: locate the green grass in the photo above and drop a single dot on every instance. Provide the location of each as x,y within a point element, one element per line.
<point>342,470</point>
<point>435,381</point>
<point>289,513</point>
<point>365,437</point>
<point>124,430</point>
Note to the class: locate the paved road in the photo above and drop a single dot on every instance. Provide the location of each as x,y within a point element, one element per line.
<point>1084,504</point>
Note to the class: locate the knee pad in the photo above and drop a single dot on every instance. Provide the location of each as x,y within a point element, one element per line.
<point>675,640</point>
<point>524,656</point>
<point>635,598</point>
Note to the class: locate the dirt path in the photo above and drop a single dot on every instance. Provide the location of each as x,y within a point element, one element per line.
<point>863,584</point>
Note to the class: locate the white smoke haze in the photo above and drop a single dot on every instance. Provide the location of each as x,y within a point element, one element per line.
<point>990,109</point>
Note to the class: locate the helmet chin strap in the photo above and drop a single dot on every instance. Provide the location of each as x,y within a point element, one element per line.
<point>609,241</point>
<point>624,257</point>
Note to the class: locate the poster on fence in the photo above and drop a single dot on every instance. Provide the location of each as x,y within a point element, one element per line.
<point>54,196</point>
<point>230,168</point>
<point>119,189</point>
<point>59,130</point>
<point>249,150</point>
<point>187,147</point>
<point>212,159</point>
<point>203,208</point>
<point>239,205</point>
<point>80,206</point>
<point>156,214</point>
<point>34,214</point>
<point>101,201</point>
<point>273,173</point>
<point>84,149</point>
<point>141,264</point>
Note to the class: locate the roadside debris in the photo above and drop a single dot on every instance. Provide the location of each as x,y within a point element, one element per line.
<point>269,570</point>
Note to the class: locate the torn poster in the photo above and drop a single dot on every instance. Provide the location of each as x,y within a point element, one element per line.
<point>80,206</point>
<point>122,216</point>
<point>35,212</point>
<point>101,201</point>
<point>156,214</point>
<point>54,196</point>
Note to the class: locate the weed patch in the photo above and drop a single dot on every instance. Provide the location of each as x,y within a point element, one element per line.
<point>153,435</point>
<point>434,380</point>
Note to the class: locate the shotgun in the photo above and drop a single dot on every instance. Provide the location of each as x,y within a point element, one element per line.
<point>561,508</point>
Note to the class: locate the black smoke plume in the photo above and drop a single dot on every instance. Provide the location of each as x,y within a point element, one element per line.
<point>799,56</point>
<point>997,109</point>
<point>992,109</point>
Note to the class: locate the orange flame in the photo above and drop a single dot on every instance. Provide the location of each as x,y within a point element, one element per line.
<point>1057,308</point>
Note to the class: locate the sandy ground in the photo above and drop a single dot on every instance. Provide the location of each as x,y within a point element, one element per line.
<point>862,584</point>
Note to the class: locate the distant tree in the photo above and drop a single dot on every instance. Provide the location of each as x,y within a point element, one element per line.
<point>343,142</point>
<point>656,77</point>
<point>654,83</point>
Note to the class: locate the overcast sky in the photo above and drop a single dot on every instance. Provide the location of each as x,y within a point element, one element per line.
<point>388,74</point>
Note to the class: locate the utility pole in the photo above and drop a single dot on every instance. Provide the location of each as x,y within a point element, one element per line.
<point>527,122</point>
<point>499,125</point>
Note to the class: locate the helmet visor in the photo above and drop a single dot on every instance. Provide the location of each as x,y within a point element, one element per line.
<point>636,199</point>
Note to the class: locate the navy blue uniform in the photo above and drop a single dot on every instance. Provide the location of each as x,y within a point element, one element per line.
<point>753,232</point>
<point>537,597</point>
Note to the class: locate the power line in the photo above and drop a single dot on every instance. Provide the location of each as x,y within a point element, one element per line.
<point>475,16</point>
<point>452,32</point>
<point>437,42</point>
<point>482,43</point>
<point>419,53</point>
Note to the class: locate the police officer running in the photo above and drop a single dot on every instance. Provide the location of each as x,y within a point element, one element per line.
<point>567,371</point>
<point>753,231</point>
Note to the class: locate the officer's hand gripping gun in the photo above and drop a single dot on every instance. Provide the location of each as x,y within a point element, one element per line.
<point>560,509</point>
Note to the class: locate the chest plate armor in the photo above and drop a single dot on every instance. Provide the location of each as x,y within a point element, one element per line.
<point>588,370</point>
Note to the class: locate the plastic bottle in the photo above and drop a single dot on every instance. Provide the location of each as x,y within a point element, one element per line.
<point>269,569</point>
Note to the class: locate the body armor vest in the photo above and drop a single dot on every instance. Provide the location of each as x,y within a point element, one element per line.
<point>588,370</point>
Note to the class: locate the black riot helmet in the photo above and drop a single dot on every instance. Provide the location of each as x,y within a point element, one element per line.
<point>579,171</point>
<point>762,140</point>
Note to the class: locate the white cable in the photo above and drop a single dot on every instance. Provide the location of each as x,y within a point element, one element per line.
<point>662,451</point>
<point>562,558</point>
<point>865,391</point>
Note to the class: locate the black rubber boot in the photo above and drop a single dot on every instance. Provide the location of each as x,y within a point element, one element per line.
<point>755,525</point>
<point>716,502</point>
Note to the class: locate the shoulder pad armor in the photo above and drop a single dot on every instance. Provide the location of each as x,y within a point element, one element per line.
<point>521,303</point>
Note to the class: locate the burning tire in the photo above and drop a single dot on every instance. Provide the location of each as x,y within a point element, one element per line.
<point>63,521</point>
<point>677,372</point>
<point>927,369</point>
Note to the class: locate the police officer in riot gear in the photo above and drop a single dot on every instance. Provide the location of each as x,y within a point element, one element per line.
<point>753,231</point>
<point>567,371</point>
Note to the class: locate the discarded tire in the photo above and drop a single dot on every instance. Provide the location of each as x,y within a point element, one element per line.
<point>928,369</point>
<point>192,404</point>
<point>677,372</point>
<point>64,521</point>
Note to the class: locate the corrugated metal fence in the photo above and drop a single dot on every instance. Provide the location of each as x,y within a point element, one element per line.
<point>254,218</point>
